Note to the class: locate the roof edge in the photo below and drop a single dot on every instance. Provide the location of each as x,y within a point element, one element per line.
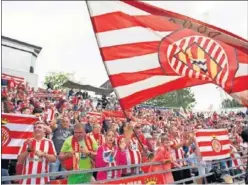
<point>37,48</point>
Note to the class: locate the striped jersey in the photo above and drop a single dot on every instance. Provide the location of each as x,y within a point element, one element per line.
<point>36,165</point>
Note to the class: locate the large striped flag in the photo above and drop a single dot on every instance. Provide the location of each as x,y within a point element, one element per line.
<point>148,51</point>
<point>213,144</point>
<point>15,130</point>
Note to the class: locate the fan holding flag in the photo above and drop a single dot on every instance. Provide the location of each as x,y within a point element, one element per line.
<point>148,51</point>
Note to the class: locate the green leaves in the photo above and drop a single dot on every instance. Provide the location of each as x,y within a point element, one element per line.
<point>182,98</point>
<point>57,79</point>
<point>230,103</point>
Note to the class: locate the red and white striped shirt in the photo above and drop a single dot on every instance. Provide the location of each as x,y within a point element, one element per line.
<point>34,164</point>
<point>133,156</point>
<point>177,154</point>
<point>236,161</point>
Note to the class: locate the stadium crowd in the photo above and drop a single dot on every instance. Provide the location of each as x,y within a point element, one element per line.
<point>70,135</point>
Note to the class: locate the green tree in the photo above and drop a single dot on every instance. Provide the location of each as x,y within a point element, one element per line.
<point>181,98</point>
<point>57,79</point>
<point>230,103</point>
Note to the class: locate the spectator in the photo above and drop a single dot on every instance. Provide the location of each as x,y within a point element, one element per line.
<point>77,153</point>
<point>71,93</point>
<point>5,171</point>
<point>79,94</point>
<point>36,153</point>
<point>141,136</point>
<point>177,153</point>
<point>26,110</point>
<point>105,102</point>
<point>95,136</point>
<point>106,125</point>
<point>132,148</point>
<point>109,155</point>
<point>85,95</point>
<point>163,155</point>
<point>61,131</point>
<point>88,125</point>
<point>195,160</point>
<point>155,141</point>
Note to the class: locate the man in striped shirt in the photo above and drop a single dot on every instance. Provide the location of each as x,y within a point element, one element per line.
<point>178,154</point>
<point>36,153</point>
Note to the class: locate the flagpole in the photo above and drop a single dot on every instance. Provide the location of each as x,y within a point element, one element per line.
<point>117,95</point>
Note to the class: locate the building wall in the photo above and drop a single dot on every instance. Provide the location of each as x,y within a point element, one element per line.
<point>16,59</point>
<point>31,78</point>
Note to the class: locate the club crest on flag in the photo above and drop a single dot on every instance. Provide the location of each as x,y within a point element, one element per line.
<point>151,181</point>
<point>190,54</point>
<point>5,136</point>
<point>216,145</point>
<point>4,121</point>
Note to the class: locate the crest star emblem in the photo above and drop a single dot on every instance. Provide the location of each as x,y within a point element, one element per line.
<point>197,59</point>
<point>4,121</point>
<point>5,136</point>
<point>190,54</point>
<point>216,145</point>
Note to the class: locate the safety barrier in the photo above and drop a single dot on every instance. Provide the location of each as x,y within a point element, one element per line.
<point>65,173</point>
<point>182,168</point>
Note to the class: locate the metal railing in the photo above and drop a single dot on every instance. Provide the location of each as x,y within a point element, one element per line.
<point>65,173</point>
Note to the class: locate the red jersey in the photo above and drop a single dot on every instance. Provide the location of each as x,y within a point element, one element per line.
<point>36,165</point>
<point>133,156</point>
<point>176,154</point>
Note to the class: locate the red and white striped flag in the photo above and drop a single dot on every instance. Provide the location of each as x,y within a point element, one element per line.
<point>149,51</point>
<point>11,77</point>
<point>15,130</point>
<point>50,114</point>
<point>97,115</point>
<point>214,144</point>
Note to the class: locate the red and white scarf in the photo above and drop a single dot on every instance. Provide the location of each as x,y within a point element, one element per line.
<point>76,149</point>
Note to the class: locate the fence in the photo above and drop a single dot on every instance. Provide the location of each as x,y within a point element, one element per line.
<point>65,173</point>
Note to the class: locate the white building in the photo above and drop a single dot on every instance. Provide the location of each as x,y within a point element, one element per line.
<point>19,59</point>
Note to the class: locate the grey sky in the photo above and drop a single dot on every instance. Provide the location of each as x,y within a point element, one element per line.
<point>64,31</point>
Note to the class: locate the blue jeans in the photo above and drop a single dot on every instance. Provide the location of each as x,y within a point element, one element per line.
<point>56,167</point>
<point>223,165</point>
<point>5,173</point>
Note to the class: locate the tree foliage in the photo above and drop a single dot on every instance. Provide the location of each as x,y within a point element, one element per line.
<point>230,103</point>
<point>181,98</point>
<point>57,79</point>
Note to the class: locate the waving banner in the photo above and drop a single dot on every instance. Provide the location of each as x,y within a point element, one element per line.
<point>214,144</point>
<point>15,130</point>
<point>149,51</point>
